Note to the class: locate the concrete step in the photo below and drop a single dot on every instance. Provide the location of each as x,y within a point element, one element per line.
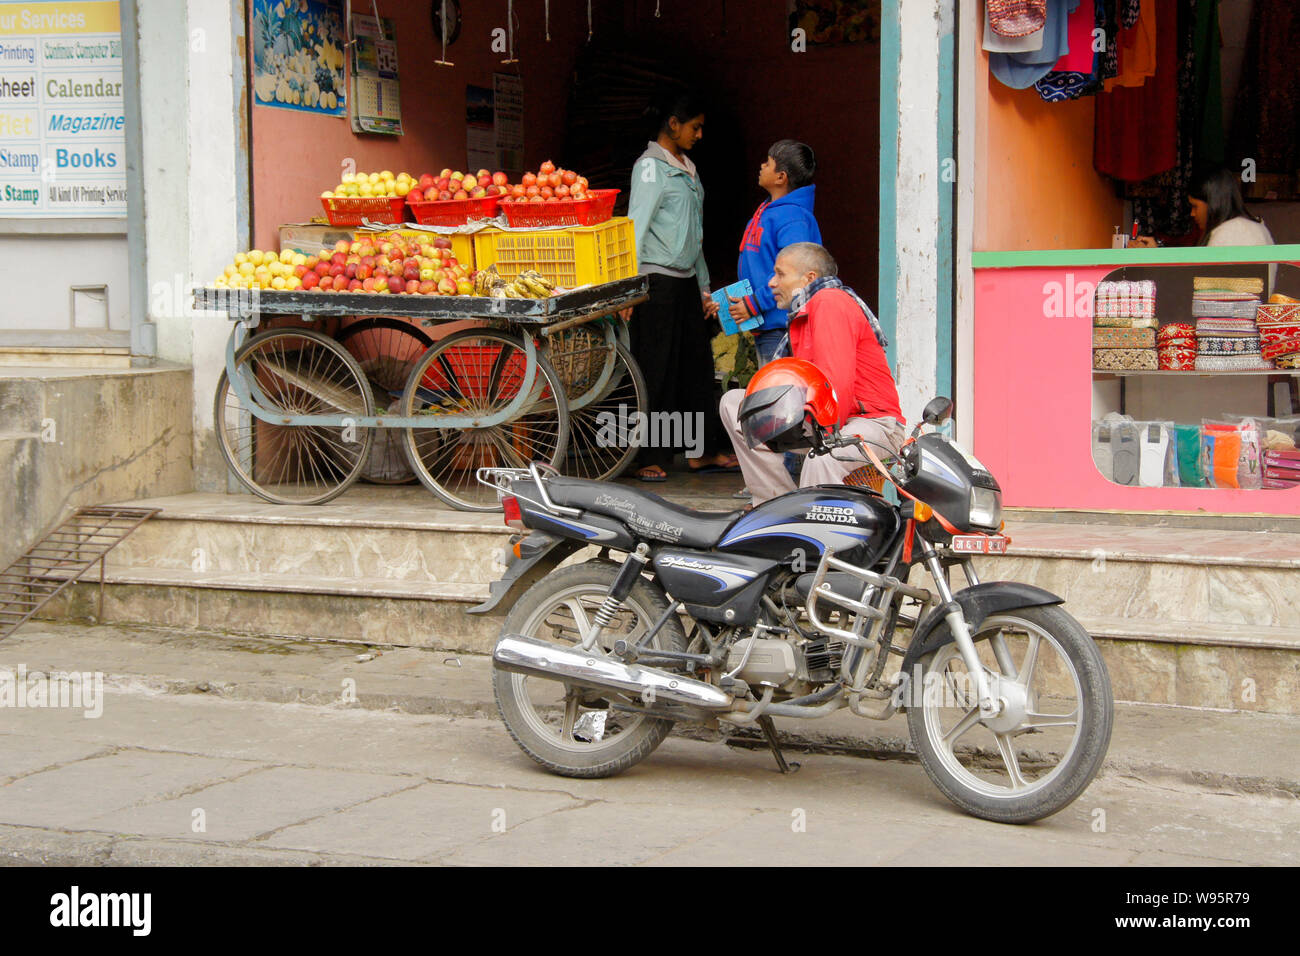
<point>1189,617</point>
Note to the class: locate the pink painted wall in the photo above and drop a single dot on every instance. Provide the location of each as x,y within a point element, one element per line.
<point>298,155</point>
<point>1036,187</point>
<point>1032,407</point>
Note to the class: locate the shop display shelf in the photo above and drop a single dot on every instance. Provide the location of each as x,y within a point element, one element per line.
<point>568,257</point>
<point>353,211</point>
<point>1124,373</point>
<point>582,212</point>
<point>454,212</point>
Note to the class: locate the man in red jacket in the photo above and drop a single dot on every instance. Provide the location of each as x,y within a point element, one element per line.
<point>836,331</point>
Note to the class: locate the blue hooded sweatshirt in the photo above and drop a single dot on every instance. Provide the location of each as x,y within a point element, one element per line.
<point>775,225</point>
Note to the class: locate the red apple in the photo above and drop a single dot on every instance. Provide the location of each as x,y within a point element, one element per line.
<point>450,262</point>
<point>354,285</point>
<point>412,286</point>
<point>445,174</point>
<point>500,179</point>
<point>309,280</point>
<point>428,287</point>
<point>300,271</point>
<point>343,246</point>
<point>447,287</point>
<point>478,192</point>
<point>426,180</point>
<point>444,196</point>
<point>364,271</point>
<point>460,194</point>
<point>441,242</point>
<point>326,283</point>
<point>311,262</point>
<point>485,180</point>
<point>322,268</point>
<point>396,284</point>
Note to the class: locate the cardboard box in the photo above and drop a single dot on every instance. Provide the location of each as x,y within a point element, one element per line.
<point>310,238</point>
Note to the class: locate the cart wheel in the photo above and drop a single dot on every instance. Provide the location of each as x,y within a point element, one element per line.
<point>301,373</point>
<point>603,423</point>
<point>387,350</point>
<point>481,371</point>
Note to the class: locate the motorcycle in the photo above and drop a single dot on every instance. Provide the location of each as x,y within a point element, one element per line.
<point>796,609</point>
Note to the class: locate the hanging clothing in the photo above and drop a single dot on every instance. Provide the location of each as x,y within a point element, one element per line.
<point>1268,100</point>
<point>1210,142</point>
<point>1137,48</point>
<point>1062,85</point>
<point>1078,59</point>
<point>1015,18</point>
<point>1160,203</point>
<point>1136,128</point>
<point>1022,70</point>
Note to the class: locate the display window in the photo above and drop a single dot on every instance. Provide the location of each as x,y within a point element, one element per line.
<point>1135,247</point>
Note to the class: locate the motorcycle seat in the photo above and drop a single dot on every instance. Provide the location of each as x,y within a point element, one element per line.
<point>646,514</point>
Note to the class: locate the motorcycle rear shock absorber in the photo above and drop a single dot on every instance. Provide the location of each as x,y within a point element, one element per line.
<point>618,592</point>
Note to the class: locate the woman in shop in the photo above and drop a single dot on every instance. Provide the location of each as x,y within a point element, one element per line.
<point>1220,211</point>
<point>668,333</point>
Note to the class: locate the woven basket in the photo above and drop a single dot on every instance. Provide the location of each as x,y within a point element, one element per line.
<point>866,477</point>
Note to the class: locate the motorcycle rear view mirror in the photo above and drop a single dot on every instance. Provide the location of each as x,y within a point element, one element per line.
<point>938,411</point>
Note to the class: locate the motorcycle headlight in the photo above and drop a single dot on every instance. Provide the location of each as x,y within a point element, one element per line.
<point>985,508</point>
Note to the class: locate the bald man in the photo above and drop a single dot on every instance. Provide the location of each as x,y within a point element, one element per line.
<point>836,331</point>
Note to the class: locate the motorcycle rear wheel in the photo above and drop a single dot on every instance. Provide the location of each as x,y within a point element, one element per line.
<point>1041,754</point>
<point>573,731</point>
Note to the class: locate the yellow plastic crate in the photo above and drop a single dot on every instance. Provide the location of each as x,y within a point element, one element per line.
<point>462,247</point>
<point>574,256</point>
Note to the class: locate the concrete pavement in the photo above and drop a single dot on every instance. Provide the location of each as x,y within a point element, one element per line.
<point>197,758</point>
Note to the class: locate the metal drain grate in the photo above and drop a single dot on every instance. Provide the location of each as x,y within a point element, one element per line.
<point>61,558</point>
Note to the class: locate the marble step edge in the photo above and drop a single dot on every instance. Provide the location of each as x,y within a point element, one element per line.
<point>469,523</point>
<point>1250,636</point>
<point>361,587</point>
<point>458,522</point>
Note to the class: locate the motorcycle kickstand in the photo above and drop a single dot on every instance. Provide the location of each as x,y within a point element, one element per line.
<point>769,734</point>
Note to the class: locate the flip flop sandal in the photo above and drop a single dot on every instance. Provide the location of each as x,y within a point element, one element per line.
<point>646,475</point>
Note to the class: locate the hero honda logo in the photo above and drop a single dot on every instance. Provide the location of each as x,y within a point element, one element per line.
<point>831,514</point>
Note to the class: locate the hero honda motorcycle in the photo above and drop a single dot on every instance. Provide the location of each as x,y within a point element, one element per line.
<point>794,609</point>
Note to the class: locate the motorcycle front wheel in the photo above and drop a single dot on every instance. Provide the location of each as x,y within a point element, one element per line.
<point>570,730</point>
<point>1042,751</point>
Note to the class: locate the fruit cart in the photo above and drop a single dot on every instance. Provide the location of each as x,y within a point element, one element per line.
<point>521,380</point>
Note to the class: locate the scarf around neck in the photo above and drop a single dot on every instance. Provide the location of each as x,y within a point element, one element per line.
<point>799,302</point>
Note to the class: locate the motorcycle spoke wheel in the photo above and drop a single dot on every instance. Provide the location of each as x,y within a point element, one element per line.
<point>1047,744</point>
<point>568,729</point>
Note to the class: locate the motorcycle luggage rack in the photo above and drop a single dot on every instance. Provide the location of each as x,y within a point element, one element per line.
<point>500,479</point>
<point>822,591</point>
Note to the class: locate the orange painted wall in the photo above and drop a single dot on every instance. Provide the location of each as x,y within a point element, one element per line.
<point>297,155</point>
<point>1036,187</point>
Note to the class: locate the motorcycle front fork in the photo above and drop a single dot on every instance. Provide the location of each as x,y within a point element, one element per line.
<point>990,706</point>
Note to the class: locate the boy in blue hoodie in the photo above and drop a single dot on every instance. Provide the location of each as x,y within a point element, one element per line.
<point>786,218</point>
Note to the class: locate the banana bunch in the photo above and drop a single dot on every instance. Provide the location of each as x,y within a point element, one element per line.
<point>527,285</point>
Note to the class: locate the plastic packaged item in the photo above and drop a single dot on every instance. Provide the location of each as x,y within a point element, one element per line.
<point>1156,468</point>
<point>1233,453</point>
<point>1125,453</point>
<point>1191,469</point>
<point>1102,449</point>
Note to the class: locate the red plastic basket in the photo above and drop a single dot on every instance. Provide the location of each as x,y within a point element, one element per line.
<point>454,212</point>
<point>598,208</point>
<point>351,210</point>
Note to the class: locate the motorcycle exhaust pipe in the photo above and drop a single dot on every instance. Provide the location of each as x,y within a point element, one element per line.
<point>534,658</point>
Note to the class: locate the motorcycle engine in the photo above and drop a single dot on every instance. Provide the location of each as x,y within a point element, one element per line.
<point>789,667</point>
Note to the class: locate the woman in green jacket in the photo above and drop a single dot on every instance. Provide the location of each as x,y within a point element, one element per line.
<point>669,336</point>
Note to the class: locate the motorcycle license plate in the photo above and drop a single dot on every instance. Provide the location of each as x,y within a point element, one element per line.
<point>980,543</point>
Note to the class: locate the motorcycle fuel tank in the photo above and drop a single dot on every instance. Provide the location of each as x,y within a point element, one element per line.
<point>856,525</point>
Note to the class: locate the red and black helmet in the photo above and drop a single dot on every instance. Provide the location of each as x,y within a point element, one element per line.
<point>781,396</point>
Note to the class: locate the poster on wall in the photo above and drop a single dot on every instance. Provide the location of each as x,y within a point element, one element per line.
<point>480,131</point>
<point>376,95</point>
<point>298,55</point>
<point>508,105</point>
<point>829,22</point>
<point>62,126</point>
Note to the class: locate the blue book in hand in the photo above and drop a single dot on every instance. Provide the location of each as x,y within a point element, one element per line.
<point>736,290</point>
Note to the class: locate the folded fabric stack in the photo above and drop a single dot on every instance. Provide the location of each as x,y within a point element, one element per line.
<point>1282,469</point>
<point>1176,347</point>
<point>1227,345</point>
<point>1227,338</point>
<point>1279,334</point>
<point>1124,324</point>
